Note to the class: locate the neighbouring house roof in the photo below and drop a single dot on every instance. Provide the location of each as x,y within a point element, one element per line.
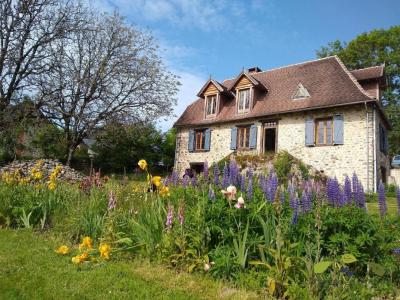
<point>327,80</point>
<point>375,72</point>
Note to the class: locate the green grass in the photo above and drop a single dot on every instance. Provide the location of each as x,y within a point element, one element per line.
<point>30,269</point>
<point>373,207</point>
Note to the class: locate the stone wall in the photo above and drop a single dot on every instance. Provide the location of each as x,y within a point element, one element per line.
<point>355,155</point>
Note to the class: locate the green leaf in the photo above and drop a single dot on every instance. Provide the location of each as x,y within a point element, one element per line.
<point>126,241</point>
<point>377,269</point>
<point>348,258</point>
<point>321,267</point>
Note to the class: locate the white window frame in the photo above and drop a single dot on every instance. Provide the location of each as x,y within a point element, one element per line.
<point>241,106</point>
<point>214,105</point>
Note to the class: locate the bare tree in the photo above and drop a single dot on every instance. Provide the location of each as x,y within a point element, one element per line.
<point>105,70</point>
<point>27,27</point>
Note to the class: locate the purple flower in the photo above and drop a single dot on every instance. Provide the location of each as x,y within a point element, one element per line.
<point>250,189</point>
<point>360,197</point>
<point>205,171</point>
<point>194,180</point>
<point>347,191</point>
<point>233,172</point>
<point>333,192</point>
<point>175,178</point>
<point>292,196</point>
<point>216,174</point>
<point>341,200</point>
<point>396,251</point>
<point>355,183</point>
<point>211,194</point>
<point>382,199</point>
<point>306,201</point>
<point>166,181</point>
<point>294,204</point>
<point>185,181</point>
<point>170,217</point>
<point>225,177</point>
<point>398,199</point>
<point>181,213</point>
<point>272,186</point>
<point>282,196</point>
<point>112,201</point>
<point>242,182</point>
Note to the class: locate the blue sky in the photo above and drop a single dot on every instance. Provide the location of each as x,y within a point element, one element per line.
<point>218,38</point>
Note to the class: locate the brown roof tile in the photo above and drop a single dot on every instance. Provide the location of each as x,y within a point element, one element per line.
<point>369,73</point>
<point>327,80</point>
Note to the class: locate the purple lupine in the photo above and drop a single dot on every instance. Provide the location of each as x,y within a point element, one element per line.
<point>382,199</point>
<point>185,181</point>
<point>175,178</point>
<point>292,196</point>
<point>216,174</point>
<point>355,183</point>
<point>112,201</point>
<point>166,181</point>
<point>272,186</point>
<point>263,185</point>
<point>194,180</point>
<point>333,191</point>
<point>249,188</point>
<point>205,171</point>
<point>295,206</point>
<point>170,217</point>
<point>225,177</point>
<point>282,196</point>
<point>341,199</point>
<point>181,213</point>
<point>360,197</point>
<point>211,194</point>
<point>347,191</point>
<point>242,182</point>
<point>305,201</point>
<point>398,199</point>
<point>233,172</point>
<point>396,251</point>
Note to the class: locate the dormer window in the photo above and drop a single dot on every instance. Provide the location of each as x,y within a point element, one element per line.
<point>243,100</point>
<point>211,105</point>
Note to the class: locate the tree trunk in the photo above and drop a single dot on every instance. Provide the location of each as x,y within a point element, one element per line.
<point>71,151</point>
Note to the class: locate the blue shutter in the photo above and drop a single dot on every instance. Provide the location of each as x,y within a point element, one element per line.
<point>191,140</point>
<point>207,139</point>
<point>338,130</point>
<point>310,132</point>
<point>233,138</point>
<point>253,136</point>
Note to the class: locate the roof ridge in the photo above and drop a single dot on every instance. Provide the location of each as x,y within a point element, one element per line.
<point>377,66</point>
<point>352,78</point>
<point>287,66</point>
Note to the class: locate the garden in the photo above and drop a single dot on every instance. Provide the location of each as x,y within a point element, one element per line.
<point>272,234</point>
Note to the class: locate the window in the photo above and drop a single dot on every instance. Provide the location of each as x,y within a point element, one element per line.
<point>211,106</point>
<point>243,137</point>
<point>244,100</point>
<point>301,92</point>
<point>199,140</point>
<point>324,132</point>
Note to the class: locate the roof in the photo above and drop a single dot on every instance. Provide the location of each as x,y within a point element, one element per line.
<point>369,73</point>
<point>327,80</point>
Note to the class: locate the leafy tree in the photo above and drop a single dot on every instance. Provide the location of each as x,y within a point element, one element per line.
<point>119,147</point>
<point>370,49</point>
<point>104,70</point>
<point>168,148</point>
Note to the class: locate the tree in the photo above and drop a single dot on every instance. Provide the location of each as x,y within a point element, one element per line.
<point>168,148</point>
<point>105,70</point>
<point>120,146</point>
<point>370,49</point>
<point>26,30</point>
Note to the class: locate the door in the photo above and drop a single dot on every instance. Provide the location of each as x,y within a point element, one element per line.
<point>270,137</point>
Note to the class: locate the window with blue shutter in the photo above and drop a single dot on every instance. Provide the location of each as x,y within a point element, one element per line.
<point>191,141</point>
<point>338,130</point>
<point>207,140</point>
<point>253,136</point>
<point>309,138</point>
<point>233,138</point>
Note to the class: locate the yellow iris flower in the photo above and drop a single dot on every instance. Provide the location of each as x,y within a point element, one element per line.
<point>51,185</point>
<point>86,243</point>
<point>156,181</point>
<point>105,250</point>
<point>142,164</point>
<point>63,250</point>
<point>164,191</point>
<point>80,258</point>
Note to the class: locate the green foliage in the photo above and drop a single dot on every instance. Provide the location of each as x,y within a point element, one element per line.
<point>50,141</point>
<point>379,46</point>
<point>282,164</point>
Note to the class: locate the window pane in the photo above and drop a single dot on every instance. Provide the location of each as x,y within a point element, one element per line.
<point>247,99</point>
<point>321,129</point>
<point>247,130</point>
<point>329,132</point>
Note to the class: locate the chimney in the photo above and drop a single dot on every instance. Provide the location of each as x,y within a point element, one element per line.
<point>254,70</point>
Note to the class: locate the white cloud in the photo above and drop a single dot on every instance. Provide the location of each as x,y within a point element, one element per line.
<point>191,85</point>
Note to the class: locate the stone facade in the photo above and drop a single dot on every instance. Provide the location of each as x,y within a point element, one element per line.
<point>359,153</point>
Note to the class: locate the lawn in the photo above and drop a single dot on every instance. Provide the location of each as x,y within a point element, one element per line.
<point>373,207</point>
<point>30,269</point>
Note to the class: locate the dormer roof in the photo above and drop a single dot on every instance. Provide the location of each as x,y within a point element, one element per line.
<point>250,77</point>
<point>219,87</point>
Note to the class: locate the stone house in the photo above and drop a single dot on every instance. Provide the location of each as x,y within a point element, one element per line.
<point>319,111</point>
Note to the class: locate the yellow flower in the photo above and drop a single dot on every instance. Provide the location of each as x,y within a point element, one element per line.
<point>86,243</point>
<point>51,185</point>
<point>63,250</point>
<point>80,258</point>
<point>142,164</point>
<point>37,175</point>
<point>105,250</point>
<point>156,181</point>
<point>164,191</point>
